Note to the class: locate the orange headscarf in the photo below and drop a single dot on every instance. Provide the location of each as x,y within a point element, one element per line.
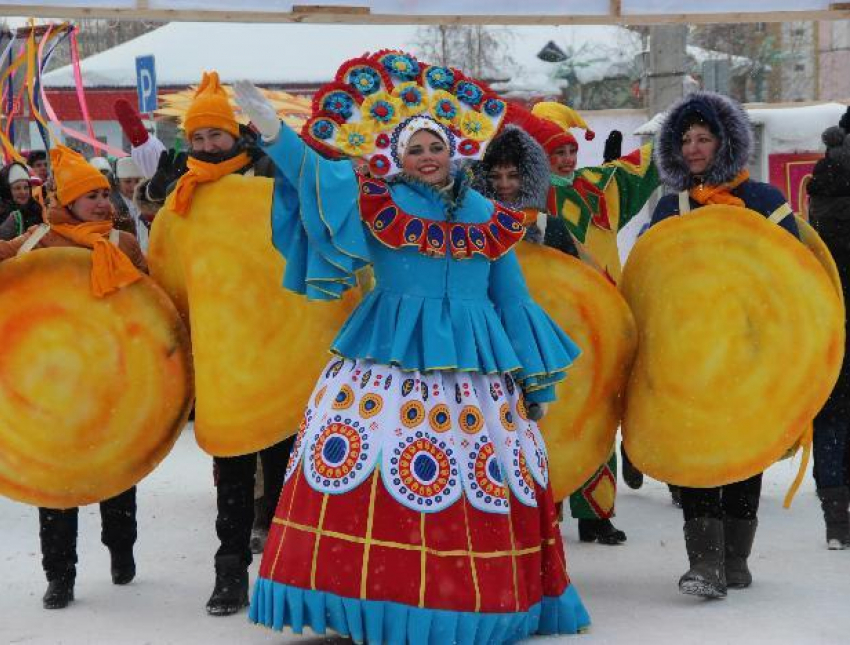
<point>111,268</point>
<point>704,195</point>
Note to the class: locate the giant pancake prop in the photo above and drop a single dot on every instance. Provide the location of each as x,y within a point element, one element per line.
<point>581,425</point>
<point>741,337</point>
<point>94,390</point>
<point>257,347</point>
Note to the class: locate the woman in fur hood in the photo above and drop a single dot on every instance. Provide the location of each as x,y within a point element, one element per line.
<point>516,172</point>
<point>701,151</point>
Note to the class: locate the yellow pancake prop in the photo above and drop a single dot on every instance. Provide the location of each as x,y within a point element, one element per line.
<point>257,347</point>
<point>741,336</point>
<point>813,241</point>
<point>93,391</point>
<point>580,426</point>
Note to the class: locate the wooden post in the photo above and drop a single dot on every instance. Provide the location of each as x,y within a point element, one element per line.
<point>666,66</point>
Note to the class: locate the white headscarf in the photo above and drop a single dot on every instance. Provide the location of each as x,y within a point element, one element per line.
<point>415,125</point>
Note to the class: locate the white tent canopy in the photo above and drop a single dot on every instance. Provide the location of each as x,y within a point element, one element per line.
<point>437,11</point>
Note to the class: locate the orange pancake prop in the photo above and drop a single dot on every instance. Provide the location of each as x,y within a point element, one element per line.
<point>741,339</point>
<point>94,390</point>
<point>257,347</point>
<point>580,426</point>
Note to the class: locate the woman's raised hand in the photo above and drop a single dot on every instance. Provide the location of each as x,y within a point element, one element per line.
<point>258,109</point>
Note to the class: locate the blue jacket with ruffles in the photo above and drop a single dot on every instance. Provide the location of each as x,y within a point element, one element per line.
<point>427,311</point>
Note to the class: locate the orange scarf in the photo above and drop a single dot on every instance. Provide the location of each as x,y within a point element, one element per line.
<point>201,172</point>
<point>720,194</point>
<point>110,269</point>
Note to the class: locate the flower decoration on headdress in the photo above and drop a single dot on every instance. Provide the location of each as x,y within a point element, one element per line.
<point>412,98</point>
<point>377,102</point>
<point>365,80</point>
<point>445,107</point>
<point>469,93</point>
<point>494,107</point>
<point>323,129</point>
<point>476,126</point>
<point>355,139</point>
<point>399,65</point>
<point>440,78</point>
<point>381,111</point>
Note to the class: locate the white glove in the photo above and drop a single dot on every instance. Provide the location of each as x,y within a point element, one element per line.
<point>258,109</point>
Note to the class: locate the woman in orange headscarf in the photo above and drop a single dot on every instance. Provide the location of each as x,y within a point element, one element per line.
<point>81,215</point>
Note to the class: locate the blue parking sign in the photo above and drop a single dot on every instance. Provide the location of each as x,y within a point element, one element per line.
<point>146,83</point>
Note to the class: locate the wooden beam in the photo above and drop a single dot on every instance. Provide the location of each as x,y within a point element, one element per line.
<point>616,9</point>
<point>344,15</point>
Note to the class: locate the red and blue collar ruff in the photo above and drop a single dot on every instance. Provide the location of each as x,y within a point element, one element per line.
<point>397,229</point>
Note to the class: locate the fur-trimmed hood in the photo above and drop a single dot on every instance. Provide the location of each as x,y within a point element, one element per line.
<point>533,166</point>
<point>726,119</point>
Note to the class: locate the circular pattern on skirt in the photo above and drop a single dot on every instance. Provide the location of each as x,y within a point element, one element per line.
<point>440,418</point>
<point>370,405</point>
<point>471,420</point>
<point>339,456</point>
<point>483,480</point>
<point>507,417</point>
<point>412,413</point>
<point>344,398</point>
<point>421,473</point>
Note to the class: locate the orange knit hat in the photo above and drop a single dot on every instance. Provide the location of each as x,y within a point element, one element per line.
<point>210,108</point>
<point>74,176</point>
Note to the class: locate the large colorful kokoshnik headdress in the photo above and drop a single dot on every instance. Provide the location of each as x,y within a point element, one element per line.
<point>378,100</point>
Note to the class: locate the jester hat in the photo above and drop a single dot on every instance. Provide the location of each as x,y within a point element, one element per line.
<point>375,101</point>
<point>553,131</point>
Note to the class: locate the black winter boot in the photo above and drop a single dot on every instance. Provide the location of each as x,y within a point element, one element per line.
<point>260,530</point>
<point>601,531</point>
<point>123,567</point>
<point>60,591</point>
<point>675,495</point>
<point>834,502</point>
<point>739,536</point>
<point>631,475</point>
<point>704,542</point>
<point>231,586</point>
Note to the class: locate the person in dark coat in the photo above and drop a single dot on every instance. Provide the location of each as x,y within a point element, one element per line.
<point>829,212</point>
<point>18,208</point>
<point>516,172</point>
<point>701,151</point>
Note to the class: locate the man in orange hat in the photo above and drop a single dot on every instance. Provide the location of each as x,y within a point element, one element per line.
<point>218,147</point>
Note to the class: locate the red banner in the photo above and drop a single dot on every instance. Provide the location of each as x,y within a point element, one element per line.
<point>790,173</point>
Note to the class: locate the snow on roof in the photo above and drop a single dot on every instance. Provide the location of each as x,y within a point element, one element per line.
<point>597,52</point>
<point>275,54</point>
<point>787,128</point>
<point>269,54</point>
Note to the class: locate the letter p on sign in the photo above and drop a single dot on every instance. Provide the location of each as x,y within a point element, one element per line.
<point>146,84</point>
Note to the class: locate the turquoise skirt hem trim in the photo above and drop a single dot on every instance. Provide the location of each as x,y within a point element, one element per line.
<point>276,605</point>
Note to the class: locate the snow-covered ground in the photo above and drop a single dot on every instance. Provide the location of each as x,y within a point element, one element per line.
<point>801,592</point>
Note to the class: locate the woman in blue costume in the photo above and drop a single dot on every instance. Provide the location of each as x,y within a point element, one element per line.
<point>416,507</point>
